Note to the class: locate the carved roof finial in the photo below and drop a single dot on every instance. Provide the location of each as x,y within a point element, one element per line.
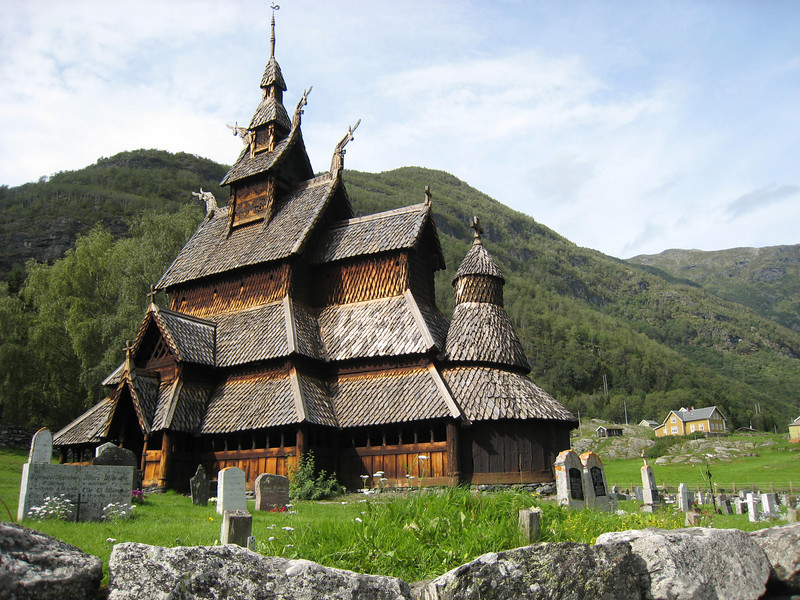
<point>476,226</point>
<point>209,199</point>
<point>274,7</point>
<point>337,164</point>
<point>299,110</point>
<point>427,195</point>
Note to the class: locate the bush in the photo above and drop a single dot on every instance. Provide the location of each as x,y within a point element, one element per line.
<point>306,484</point>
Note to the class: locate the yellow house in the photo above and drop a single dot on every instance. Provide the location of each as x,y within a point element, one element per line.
<point>695,420</point>
<point>794,431</point>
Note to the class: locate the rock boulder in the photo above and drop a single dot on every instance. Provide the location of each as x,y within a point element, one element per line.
<point>36,566</point>
<point>232,572</point>
<point>696,563</point>
<point>782,547</point>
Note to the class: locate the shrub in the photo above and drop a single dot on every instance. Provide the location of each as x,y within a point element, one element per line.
<point>306,484</point>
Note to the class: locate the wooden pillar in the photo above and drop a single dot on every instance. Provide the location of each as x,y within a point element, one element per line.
<point>144,453</point>
<point>301,440</point>
<point>453,461</point>
<point>62,455</point>
<point>166,459</point>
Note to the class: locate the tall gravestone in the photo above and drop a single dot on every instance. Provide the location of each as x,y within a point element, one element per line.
<point>272,491</point>
<point>684,504</point>
<point>752,507</point>
<point>88,488</point>
<point>231,493</point>
<point>569,480</point>
<point>595,488</point>
<point>650,495</point>
<point>200,487</point>
<point>769,503</point>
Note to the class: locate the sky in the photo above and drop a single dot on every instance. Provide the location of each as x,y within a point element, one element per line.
<point>629,127</point>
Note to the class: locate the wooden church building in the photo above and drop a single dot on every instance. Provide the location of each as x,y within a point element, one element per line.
<point>295,326</point>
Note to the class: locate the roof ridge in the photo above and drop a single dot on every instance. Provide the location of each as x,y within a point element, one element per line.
<point>375,216</point>
<point>186,316</point>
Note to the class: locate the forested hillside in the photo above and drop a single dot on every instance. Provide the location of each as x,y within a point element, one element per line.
<point>765,279</point>
<point>661,342</point>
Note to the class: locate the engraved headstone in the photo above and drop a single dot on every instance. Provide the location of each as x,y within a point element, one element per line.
<point>650,495</point>
<point>684,503</point>
<point>41,447</point>
<point>752,507</point>
<point>200,487</point>
<point>769,503</point>
<point>272,491</point>
<point>569,480</point>
<point>724,504</point>
<point>231,490</point>
<point>109,454</point>
<point>639,493</point>
<point>595,488</point>
<point>739,506</point>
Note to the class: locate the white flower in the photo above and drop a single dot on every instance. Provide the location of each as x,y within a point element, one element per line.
<point>111,540</point>
<point>271,538</point>
<point>422,457</point>
<point>288,505</point>
<point>344,502</point>
<point>378,474</point>
<point>358,520</point>
<point>288,528</point>
<point>365,477</point>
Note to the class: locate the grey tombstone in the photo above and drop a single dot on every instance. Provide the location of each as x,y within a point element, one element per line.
<point>739,506</point>
<point>684,503</point>
<point>595,488</point>
<point>41,447</point>
<point>109,454</point>
<point>639,493</point>
<point>272,491</point>
<point>237,525</point>
<point>200,487</point>
<point>752,508</point>
<point>231,490</point>
<point>569,480</point>
<point>791,514</point>
<point>650,495</point>
<point>769,503</point>
<point>530,525</point>
<point>783,499</point>
<point>724,504</point>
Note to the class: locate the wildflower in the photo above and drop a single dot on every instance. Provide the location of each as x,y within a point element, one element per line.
<point>271,538</point>
<point>287,528</point>
<point>358,520</point>
<point>288,506</point>
<point>289,546</point>
<point>378,474</point>
<point>344,502</point>
<point>422,457</point>
<point>211,519</point>
<point>111,540</point>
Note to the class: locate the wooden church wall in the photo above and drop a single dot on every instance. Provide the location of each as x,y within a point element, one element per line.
<point>243,290</point>
<point>511,451</point>
<point>359,280</point>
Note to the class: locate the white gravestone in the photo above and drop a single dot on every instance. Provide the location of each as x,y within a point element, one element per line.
<point>650,496</point>
<point>89,488</point>
<point>231,490</point>
<point>569,480</point>
<point>595,488</point>
<point>41,447</point>
<point>752,508</point>
<point>769,503</point>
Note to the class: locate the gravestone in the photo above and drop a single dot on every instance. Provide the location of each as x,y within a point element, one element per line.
<point>236,527</point>
<point>569,480</point>
<point>109,454</point>
<point>595,488</point>
<point>783,499</point>
<point>739,506</point>
<point>650,495</point>
<point>41,447</point>
<point>530,525</point>
<point>769,503</point>
<point>701,499</point>
<point>639,493</point>
<point>752,507</point>
<point>231,490</point>
<point>88,488</point>
<point>683,498</point>
<point>724,504</point>
<point>272,491</point>
<point>200,487</point>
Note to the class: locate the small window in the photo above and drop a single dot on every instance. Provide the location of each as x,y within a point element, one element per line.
<point>701,426</point>
<point>691,428</point>
<point>674,430</point>
<point>672,420</point>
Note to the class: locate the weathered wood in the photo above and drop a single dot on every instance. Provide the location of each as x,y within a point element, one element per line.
<point>453,459</point>
<point>368,278</point>
<point>166,450</point>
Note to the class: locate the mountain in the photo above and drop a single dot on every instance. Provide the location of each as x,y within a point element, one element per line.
<point>661,342</point>
<point>765,279</point>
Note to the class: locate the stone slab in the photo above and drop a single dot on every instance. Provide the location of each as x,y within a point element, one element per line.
<point>569,480</point>
<point>200,487</point>
<point>272,491</point>
<point>231,494</point>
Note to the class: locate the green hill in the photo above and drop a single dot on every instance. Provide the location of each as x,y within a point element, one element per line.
<point>661,342</point>
<point>765,279</point>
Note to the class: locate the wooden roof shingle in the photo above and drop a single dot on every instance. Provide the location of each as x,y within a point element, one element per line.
<point>88,428</point>
<point>486,393</point>
<point>190,338</point>
<point>478,261</point>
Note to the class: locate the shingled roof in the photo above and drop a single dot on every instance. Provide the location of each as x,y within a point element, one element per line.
<point>212,251</point>
<point>190,339</point>
<point>89,428</point>
<point>483,332</point>
<point>478,261</point>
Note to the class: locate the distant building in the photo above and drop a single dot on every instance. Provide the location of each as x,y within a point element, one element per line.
<point>648,423</point>
<point>709,421</point>
<point>609,431</point>
<point>794,431</point>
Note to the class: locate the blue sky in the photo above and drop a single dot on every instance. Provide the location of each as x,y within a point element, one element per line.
<point>627,127</point>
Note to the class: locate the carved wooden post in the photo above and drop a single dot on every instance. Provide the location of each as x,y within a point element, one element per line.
<point>166,456</point>
<point>453,461</point>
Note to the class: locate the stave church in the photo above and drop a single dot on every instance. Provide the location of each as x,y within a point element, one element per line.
<point>294,326</point>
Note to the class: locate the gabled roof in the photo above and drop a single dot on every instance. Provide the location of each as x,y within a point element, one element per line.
<point>211,250</point>
<point>483,332</point>
<point>695,414</point>
<point>485,393</point>
<point>180,406</point>
<point>190,339</point>
<point>398,229</point>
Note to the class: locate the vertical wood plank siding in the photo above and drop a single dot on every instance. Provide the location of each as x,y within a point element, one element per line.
<point>252,202</point>
<point>232,293</point>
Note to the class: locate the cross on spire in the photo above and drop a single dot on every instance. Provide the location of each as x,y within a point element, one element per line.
<point>128,349</point>
<point>476,226</point>
<point>152,294</point>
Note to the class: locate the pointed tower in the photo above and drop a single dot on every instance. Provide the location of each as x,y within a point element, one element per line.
<point>481,331</point>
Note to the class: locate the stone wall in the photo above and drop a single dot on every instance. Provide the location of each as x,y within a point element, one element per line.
<point>12,436</point>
